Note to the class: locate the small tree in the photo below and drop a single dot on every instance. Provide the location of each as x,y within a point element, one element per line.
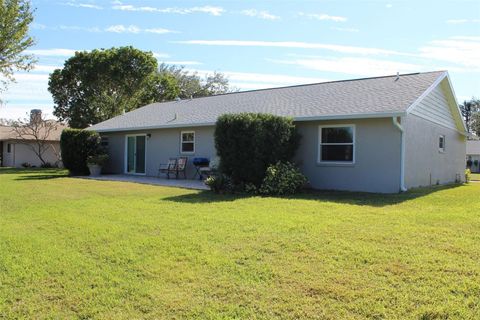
<point>469,111</point>
<point>37,134</point>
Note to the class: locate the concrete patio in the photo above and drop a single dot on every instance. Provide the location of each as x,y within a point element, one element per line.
<point>179,183</point>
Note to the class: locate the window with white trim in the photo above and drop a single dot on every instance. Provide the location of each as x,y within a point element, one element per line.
<point>441,143</point>
<point>187,141</point>
<point>337,144</point>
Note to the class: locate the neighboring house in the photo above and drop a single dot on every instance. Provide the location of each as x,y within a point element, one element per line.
<point>473,154</point>
<point>14,151</point>
<point>382,134</point>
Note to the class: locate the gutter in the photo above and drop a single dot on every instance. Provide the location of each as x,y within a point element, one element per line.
<point>398,124</point>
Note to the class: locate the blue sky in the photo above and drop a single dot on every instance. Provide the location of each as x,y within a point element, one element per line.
<point>260,44</point>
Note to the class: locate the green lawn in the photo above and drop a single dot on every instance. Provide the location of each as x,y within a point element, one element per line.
<point>475,176</point>
<point>75,248</point>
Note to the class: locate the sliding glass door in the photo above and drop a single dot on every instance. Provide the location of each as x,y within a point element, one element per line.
<point>135,159</point>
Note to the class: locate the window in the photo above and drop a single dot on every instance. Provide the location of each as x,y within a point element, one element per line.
<point>337,144</point>
<point>187,142</point>
<point>441,143</point>
<point>104,142</point>
<point>9,147</point>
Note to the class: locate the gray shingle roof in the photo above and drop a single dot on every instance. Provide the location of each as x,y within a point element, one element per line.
<point>359,98</point>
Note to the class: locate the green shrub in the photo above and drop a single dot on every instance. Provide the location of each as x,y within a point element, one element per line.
<point>77,145</point>
<point>282,178</point>
<point>220,183</point>
<point>468,175</point>
<point>248,143</point>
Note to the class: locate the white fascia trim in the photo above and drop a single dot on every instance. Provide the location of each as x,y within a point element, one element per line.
<point>430,89</point>
<point>351,116</point>
<point>456,104</point>
<point>190,125</point>
<point>427,92</point>
<point>297,119</point>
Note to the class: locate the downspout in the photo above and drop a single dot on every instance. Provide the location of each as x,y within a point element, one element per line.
<point>398,124</point>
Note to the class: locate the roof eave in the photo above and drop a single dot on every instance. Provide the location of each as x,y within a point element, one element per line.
<point>296,119</point>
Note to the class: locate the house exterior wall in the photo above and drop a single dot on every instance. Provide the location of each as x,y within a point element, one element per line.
<point>425,165</point>
<point>22,153</point>
<point>376,168</point>
<point>162,145</point>
<point>377,157</point>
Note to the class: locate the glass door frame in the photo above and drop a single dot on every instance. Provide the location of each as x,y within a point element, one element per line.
<point>135,159</point>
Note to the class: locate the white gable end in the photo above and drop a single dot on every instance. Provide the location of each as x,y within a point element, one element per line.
<point>439,106</point>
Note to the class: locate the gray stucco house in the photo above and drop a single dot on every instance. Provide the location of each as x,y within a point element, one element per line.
<point>383,134</point>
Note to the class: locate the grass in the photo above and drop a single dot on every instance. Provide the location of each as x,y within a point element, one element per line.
<point>475,176</point>
<point>75,248</point>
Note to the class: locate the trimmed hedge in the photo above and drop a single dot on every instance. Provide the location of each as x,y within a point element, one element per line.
<point>77,145</point>
<point>247,143</point>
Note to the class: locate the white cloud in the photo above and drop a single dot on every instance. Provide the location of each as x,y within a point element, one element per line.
<point>39,26</point>
<point>211,10</point>
<point>78,28</point>
<point>353,65</point>
<point>293,44</point>
<point>83,5</point>
<point>161,55</point>
<point>39,68</point>
<point>345,29</point>
<point>461,50</point>
<point>259,14</point>
<point>247,80</point>
<point>462,21</point>
<point>184,63</point>
<point>388,5</point>
<point>322,16</point>
<point>52,52</point>
<point>120,28</point>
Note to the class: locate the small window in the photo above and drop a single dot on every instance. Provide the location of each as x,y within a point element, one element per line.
<point>104,142</point>
<point>441,143</point>
<point>187,142</point>
<point>9,147</point>
<point>337,144</point>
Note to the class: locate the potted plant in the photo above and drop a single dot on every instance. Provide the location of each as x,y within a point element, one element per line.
<point>95,164</point>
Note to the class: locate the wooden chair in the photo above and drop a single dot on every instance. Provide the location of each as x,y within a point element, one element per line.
<point>168,168</point>
<point>182,167</point>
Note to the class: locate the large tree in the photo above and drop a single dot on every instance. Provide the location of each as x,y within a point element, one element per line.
<point>98,85</point>
<point>15,18</point>
<point>469,109</point>
<point>191,85</point>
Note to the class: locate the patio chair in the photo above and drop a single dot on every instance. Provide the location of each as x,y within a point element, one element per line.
<point>168,168</point>
<point>210,169</point>
<point>182,167</point>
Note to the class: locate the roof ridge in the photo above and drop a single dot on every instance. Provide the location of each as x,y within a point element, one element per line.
<point>303,85</point>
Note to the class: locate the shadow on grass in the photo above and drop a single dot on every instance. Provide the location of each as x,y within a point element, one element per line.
<point>344,197</point>
<point>35,173</point>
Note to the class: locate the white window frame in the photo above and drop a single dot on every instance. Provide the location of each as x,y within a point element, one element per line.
<point>353,144</point>
<point>441,150</point>
<point>182,142</point>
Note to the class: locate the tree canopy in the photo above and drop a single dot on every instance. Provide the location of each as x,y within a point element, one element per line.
<point>15,19</point>
<point>471,114</point>
<point>98,85</point>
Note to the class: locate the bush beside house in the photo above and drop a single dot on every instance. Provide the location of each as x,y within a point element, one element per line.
<point>248,144</point>
<point>77,146</point>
